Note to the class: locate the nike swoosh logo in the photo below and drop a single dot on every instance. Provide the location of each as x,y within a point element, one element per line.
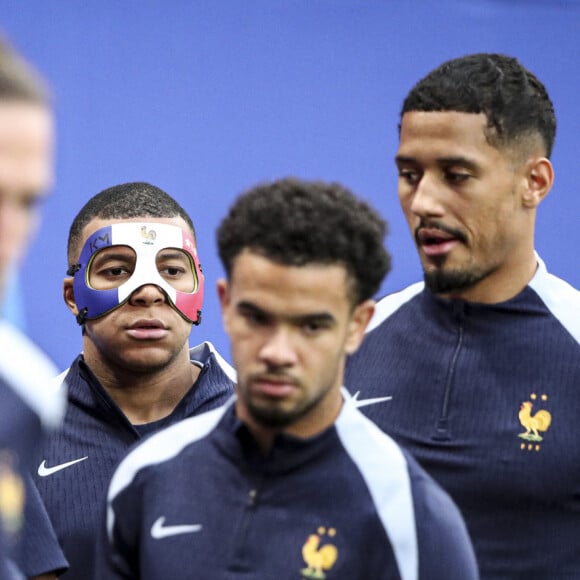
<point>44,471</point>
<point>159,530</point>
<point>366,402</point>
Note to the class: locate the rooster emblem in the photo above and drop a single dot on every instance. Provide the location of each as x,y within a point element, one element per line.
<point>318,558</point>
<point>148,236</point>
<point>11,495</point>
<point>539,421</point>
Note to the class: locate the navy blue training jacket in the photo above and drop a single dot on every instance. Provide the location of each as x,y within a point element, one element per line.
<point>199,500</point>
<point>75,464</point>
<point>487,399</point>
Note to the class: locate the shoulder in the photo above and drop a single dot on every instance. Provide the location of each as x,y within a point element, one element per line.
<point>561,299</point>
<point>154,451</point>
<point>163,446</point>
<point>28,371</point>
<point>205,353</point>
<point>383,466</point>
<point>215,384</point>
<point>420,519</point>
<point>444,545</point>
<point>59,383</point>
<point>389,304</point>
<point>364,441</point>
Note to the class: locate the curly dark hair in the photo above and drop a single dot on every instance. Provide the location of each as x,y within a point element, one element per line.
<point>127,200</point>
<point>514,101</point>
<point>297,222</point>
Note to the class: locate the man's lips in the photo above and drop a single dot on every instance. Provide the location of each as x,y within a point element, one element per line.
<point>147,329</point>
<point>435,241</point>
<point>275,387</point>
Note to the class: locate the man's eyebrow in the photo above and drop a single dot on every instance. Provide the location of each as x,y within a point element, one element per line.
<point>449,161</point>
<point>246,305</point>
<point>320,317</point>
<point>249,307</point>
<point>459,160</point>
<point>403,159</point>
<point>315,317</point>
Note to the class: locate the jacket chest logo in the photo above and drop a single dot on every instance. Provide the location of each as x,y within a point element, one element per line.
<point>318,558</point>
<point>11,494</point>
<point>534,422</point>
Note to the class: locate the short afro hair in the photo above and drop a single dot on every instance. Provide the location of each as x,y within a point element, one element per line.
<point>296,222</point>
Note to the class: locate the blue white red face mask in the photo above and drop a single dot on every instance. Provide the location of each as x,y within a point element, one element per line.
<point>148,253</point>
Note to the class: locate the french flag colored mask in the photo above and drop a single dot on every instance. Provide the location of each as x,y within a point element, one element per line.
<point>120,258</point>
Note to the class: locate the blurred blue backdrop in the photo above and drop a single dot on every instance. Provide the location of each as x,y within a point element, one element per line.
<point>206,98</point>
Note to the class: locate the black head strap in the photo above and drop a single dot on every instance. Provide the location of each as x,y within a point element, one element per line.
<point>82,316</point>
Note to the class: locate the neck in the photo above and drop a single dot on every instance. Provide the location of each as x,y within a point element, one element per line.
<point>313,422</point>
<point>146,396</point>
<point>501,285</point>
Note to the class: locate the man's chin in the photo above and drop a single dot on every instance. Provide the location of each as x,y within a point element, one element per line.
<point>271,418</point>
<point>440,281</point>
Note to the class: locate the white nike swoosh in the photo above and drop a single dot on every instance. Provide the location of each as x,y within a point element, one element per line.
<point>365,402</point>
<point>43,470</point>
<point>159,530</point>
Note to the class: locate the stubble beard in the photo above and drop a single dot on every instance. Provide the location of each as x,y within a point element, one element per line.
<point>445,282</point>
<point>276,416</point>
<point>453,281</point>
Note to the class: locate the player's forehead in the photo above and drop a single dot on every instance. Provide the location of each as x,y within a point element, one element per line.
<point>24,122</point>
<point>98,223</point>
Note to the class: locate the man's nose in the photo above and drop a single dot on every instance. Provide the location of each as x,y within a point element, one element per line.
<point>278,349</point>
<point>146,295</point>
<point>426,200</point>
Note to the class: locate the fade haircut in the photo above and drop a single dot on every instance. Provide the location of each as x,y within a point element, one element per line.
<point>19,81</point>
<point>295,223</point>
<point>124,201</point>
<point>515,102</point>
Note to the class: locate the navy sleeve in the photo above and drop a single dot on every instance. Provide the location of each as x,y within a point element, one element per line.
<point>445,549</point>
<point>40,552</point>
<point>116,551</point>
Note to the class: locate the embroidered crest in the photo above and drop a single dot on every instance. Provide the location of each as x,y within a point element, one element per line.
<point>533,423</point>
<point>11,495</point>
<point>318,558</point>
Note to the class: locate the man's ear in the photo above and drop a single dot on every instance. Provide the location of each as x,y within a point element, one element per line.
<point>359,321</point>
<point>223,291</point>
<point>539,181</point>
<point>69,295</point>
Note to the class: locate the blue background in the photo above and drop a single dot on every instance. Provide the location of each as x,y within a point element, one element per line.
<point>206,98</point>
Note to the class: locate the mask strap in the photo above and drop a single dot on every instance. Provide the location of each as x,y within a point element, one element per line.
<point>82,316</point>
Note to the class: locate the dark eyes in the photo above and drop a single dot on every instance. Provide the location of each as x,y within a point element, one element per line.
<point>414,177</point>
<point>173,271</point>
<point>116,271</point>
<point>409,176</point>
<point>312,327</point>
<point>255,317</point>
<point>456,177</point>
